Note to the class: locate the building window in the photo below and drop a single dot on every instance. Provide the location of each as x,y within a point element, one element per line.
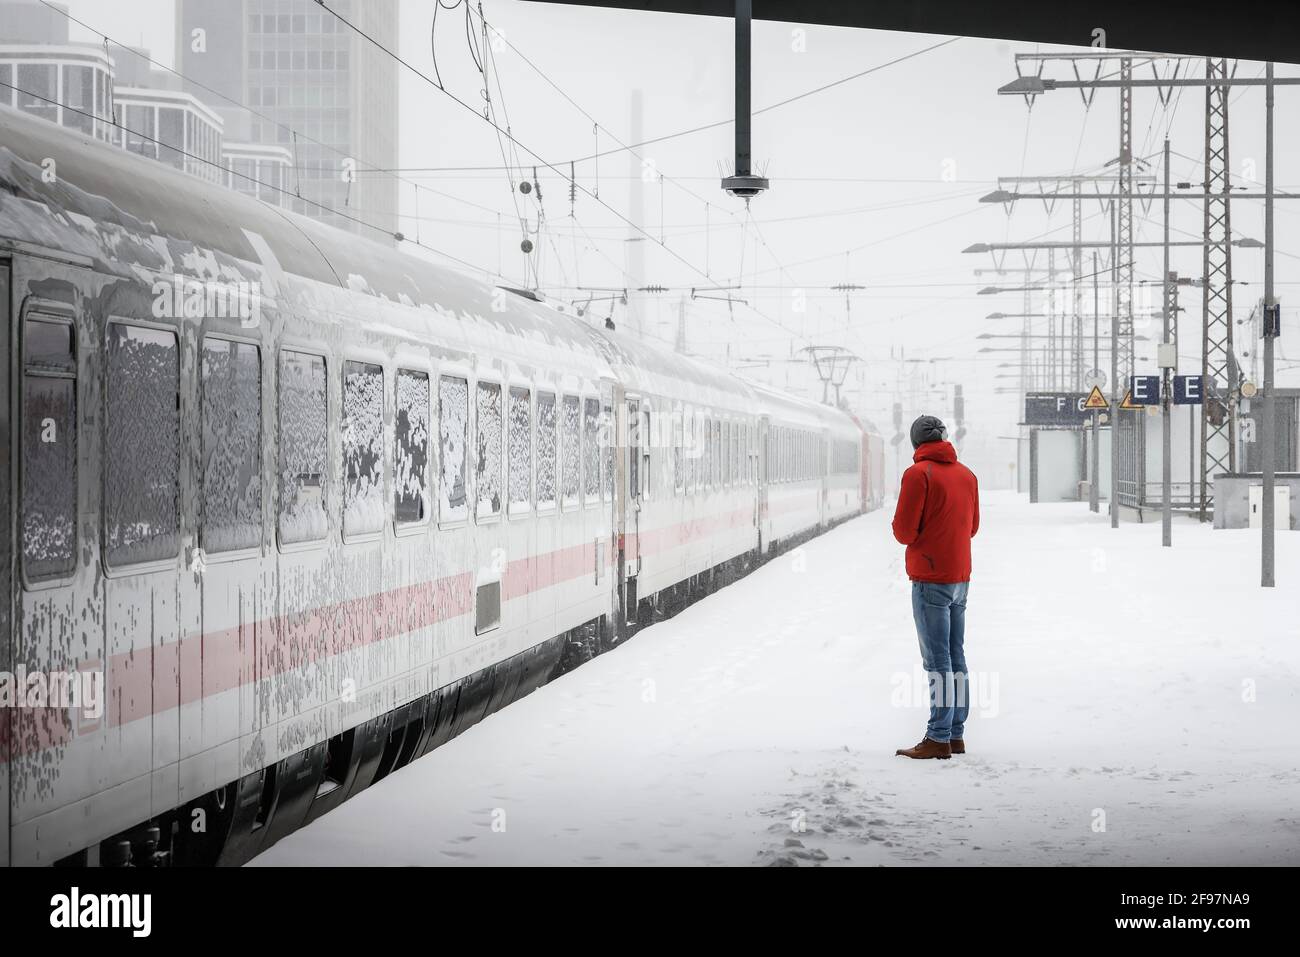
<point>38,91</point>
<point>79,98</point>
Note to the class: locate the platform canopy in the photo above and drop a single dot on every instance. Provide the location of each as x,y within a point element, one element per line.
<point>1260,32</point>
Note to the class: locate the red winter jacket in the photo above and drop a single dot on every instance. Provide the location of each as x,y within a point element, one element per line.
<point>938,514</point>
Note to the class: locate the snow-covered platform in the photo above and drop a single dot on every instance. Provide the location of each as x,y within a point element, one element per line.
<point>1131,705</point>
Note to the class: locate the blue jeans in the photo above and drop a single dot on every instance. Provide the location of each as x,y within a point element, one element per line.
<point>940,613</point>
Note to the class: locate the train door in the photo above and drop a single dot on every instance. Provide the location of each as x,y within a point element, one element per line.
<point>6,567</point>
<point>821,442</point>
<point>764,519</point>
<point>632,517</point>
<point>611,508</point>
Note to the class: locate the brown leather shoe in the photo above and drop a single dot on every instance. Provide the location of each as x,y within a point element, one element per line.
<point>927,749</point>
<point>958,746</point>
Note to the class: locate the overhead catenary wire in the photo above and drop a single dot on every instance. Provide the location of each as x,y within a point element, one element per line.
<point>510,136</point>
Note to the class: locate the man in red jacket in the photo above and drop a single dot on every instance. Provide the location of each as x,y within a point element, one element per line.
<point>938,514</point>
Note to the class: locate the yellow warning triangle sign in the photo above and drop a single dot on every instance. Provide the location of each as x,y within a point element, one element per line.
<point>1096,400</point>
<point>1127,404</point>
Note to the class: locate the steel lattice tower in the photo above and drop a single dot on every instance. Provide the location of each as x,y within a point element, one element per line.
<point>1218,366</point>
<point>1124,232</point>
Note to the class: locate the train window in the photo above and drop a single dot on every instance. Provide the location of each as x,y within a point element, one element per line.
<point>547,448</point>
<point>232,445</point>
<point>706,463</point>
<point>411,448</point>
<point>633,449</point>
<point>591,450</point>
<point>679,465</point>
<point>521,450</point>
<point>647,446</point>
<point>738,452</point>
<point>690,452</point>
<point>303,415</point>
<point>726,453</point>
<point>49,463</point>
<point>606,437</point>
<point>753,453</point>
<point>142,475</point>
<point>718,454</point>
<point>570,449</point>
<point>487,471</point>
<point>453,434</point>
<point>363,448</point>
<point>737,447</point>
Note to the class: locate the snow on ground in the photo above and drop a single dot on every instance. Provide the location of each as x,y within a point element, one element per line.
<point>1132,705</point>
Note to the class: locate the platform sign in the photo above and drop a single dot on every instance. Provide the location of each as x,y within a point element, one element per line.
<point>1144,389</point>
<point>1273,321</point>
<point>1096,400</point>
<point>1187,390</point>
<point>1056,408</point>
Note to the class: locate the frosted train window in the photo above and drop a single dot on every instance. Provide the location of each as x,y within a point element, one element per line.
<point>570,443</point>
<point>521,450</point>
<point>142,474</point>
<point>647,446</point>
<point>301,467</point>
<point>679,472</point>
<point>693,458</point>
<point>411,448</point>
<point>363,448</point>
<point>49,475</point>
<point>607,443</point>
<point>487,463</point>
<point>591,451</point>
<point>726,453</point>
<point>706,463</point>
<point>547,448</point>
<point>633,449</point>
<point>688,452</point>
<point>453,434</point>
<point>717,454</point>
<point>232,445</point>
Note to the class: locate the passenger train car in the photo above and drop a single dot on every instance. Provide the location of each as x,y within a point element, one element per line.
<point>310,506</point>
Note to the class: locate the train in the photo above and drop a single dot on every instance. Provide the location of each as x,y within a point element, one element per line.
<point>307,506</point>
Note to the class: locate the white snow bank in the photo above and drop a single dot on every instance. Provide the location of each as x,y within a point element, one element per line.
<point>1156,687</point>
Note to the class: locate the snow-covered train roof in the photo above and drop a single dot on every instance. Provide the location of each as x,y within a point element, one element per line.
<point>127,215</point>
